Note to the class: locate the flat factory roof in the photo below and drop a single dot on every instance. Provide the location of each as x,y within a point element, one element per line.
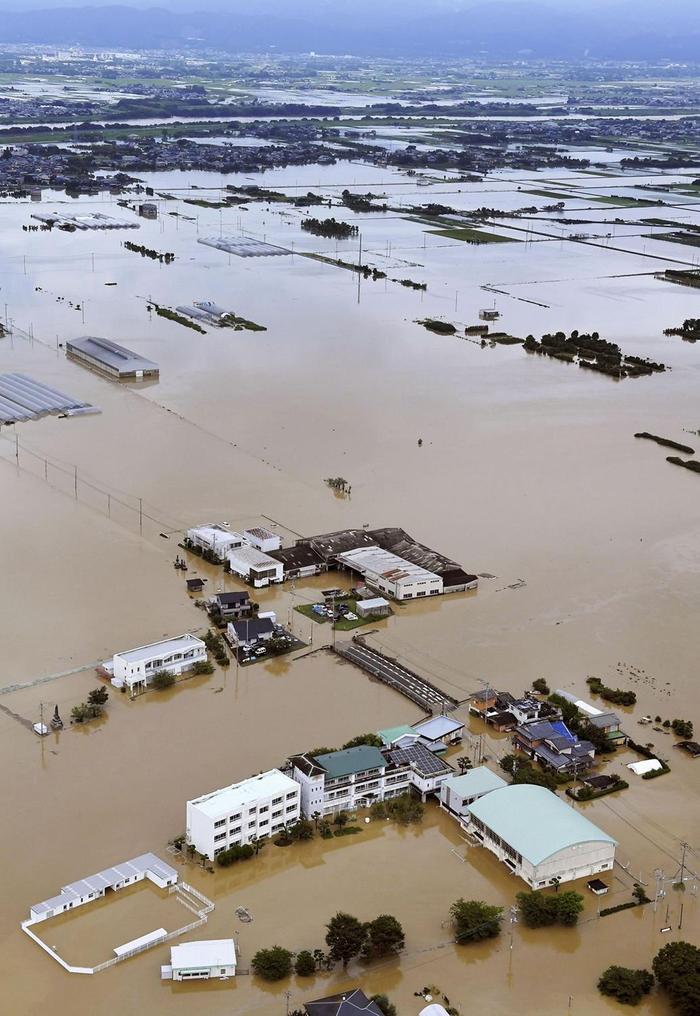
<point>238,795</point>
<point>216,533</point>
<point>111,354</point>
<point>252,557</point>
<point>535,822</point>
<point>180,643</point>
<point>376,561</point>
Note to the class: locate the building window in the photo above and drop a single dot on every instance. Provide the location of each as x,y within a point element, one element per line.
<point>276,800</point>
<point>263,809</point>
<point>221,836</point>
<point>276,814</point>
<point>222,821</point>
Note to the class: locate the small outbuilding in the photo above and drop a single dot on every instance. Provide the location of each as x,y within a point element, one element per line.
<point>458,792</point>
<point>375,607</point>
<point>440,731</point>
<point>199,961</point>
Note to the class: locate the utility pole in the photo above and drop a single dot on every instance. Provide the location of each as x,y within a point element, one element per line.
<point>75,481</point>
<point>17,447</point>
<point>140,516</point>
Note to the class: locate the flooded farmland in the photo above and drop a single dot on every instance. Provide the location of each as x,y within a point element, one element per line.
<point>517,466</point>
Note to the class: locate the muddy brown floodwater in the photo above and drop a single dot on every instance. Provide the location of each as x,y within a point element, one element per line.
<point>528,471</point>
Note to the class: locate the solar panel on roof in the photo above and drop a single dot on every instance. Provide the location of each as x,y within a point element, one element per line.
<point>421,757</point>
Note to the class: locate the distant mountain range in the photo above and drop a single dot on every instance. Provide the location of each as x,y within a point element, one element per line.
<point>617,29</point>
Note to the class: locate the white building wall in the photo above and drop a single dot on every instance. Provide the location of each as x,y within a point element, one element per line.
<point>311,792</point>
<point>211,831</point>
<point>581,860</point>
<point>132,672</point>
<point>265,544</point>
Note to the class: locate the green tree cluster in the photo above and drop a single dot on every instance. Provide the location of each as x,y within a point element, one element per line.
<point>304,964</point>
<point>539,909</point>
<point>93,708</point>
<point>272,964</point>
<point>626,985</point>
<point>474,920</point>
<point>162,679</point>
<point>524,771</point>
<point>347,937</point>
<point>677,969</point>
<point>405,809</point>
<point>238,852</point>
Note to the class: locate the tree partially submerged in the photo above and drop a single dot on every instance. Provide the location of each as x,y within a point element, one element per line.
<point>539,909</point>
<point>272,964</point>
<point>345,937</point>
<point>677,969</point>
<point>385,937</point>
<point>474,920</point>
<point>626,985</point>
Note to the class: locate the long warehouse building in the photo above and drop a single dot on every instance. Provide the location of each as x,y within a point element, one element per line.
<point>109,358</point>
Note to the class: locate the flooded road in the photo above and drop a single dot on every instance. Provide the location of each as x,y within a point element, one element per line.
<point>528,470</point>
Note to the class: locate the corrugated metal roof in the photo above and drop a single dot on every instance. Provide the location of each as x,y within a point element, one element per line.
<point>351,760</point>
<point>535,822</point>
<point>111,355</point>
<point>23,398</point>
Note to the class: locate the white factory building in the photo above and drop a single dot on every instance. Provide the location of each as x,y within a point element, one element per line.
<point>199,961</point>
<point>136,667</point>
<point>262,539</point>
<point>215,538</point>
<point>255,567</point>
<point>392,575</point>
<point>537,836</point>
<point>254,808</point>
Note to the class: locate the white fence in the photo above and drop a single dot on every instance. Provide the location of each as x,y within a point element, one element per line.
<point>206,907</point>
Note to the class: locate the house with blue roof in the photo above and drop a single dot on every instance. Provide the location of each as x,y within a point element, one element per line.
<point>553,745</point>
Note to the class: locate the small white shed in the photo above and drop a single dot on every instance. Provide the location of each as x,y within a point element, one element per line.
<point>192,961</point>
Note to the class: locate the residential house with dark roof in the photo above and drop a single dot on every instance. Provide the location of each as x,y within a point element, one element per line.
<point>246,631</point>
<point>232,606</point>
<point>552,744</point>
<point>347,1003</point>
<point>610,724</point>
